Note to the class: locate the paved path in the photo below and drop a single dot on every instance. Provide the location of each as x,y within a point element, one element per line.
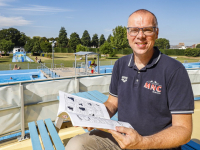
<point>68,72</point>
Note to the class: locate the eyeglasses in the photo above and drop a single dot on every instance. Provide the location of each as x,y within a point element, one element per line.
<point>133,31</point>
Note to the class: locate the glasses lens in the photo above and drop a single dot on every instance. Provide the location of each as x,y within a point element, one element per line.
<point>148,30</point>
<point>133,31</point>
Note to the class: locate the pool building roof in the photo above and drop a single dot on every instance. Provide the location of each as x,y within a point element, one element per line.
<point>86,53</point>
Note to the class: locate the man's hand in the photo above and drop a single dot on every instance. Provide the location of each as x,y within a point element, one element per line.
<point>88,128</point>
<point>127,138</point>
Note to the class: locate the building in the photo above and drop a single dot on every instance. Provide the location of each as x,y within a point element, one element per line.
<point>18,49</point>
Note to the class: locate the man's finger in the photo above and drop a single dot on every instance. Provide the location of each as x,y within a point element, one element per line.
<point>118,136</point>
<point>123,129</point>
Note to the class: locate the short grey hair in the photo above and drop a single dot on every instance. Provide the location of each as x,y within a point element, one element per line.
<point>144,11</point>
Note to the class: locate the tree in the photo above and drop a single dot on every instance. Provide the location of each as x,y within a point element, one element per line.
<point>101,40</point>
<point>36,47</point>
<point>106,48</point>
<point>51,39</point>
<point>29,45</point>
<point>62,38</point>
<point>45,46</point>
<point>12,35</point>
<point>162,43</point>
<point>74,41</point>
<point>23,38</point>
<point>80,47</point>
<point>85,40</point>
<point>198,46</point>
<point>6,45</point>
<point>119,38</point>
<point>108,39</point>
<point>44,39</point>
<point>95,40</point>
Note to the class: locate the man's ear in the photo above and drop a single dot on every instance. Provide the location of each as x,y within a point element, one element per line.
<point>157,32</point>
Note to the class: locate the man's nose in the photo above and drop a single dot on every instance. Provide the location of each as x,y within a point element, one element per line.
<point>140,34</point>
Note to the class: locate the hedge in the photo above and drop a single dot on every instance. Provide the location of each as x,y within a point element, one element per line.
<point>176,52</point>
<point>125,51</point>
<point>63,50</point>
<point>195,52</point>
<point>48,55</point>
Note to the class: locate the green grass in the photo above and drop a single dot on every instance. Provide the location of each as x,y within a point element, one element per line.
<point>67,59</point>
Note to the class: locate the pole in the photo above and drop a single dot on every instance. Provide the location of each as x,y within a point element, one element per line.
<point>98,64</point>
<point>21,94</point>
<point>52,57</point>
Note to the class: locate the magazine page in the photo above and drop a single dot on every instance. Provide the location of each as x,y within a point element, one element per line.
<point>90,121</point>
<point>74,104</point>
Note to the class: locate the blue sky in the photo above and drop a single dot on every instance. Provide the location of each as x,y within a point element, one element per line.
<point>178,20</point>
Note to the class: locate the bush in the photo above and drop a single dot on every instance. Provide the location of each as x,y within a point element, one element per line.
<point>80,47</point>
<point>95,50</point>
<point>35,54</point>
<point>194,52</point>
<point>176,52</point>
<point>5,54</point>
<point>125,51</point>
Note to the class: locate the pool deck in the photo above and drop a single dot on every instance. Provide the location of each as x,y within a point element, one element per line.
<point>68,72</point>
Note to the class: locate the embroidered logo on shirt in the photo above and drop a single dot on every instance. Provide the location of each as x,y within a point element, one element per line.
<point>124,78</point>
<point>154,86</point>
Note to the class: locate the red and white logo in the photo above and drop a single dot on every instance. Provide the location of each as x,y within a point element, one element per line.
<point>154,86</point>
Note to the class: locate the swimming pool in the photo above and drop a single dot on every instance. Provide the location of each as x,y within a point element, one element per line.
<point>109,68</point>
<point>20,75</point>
<point>105,69</point>
<point>192,65</point>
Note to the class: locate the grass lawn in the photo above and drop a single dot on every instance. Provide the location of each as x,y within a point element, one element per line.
<point>67,59</point>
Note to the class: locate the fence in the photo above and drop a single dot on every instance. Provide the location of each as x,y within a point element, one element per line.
<point>22,65</point>
<point>27,101</point>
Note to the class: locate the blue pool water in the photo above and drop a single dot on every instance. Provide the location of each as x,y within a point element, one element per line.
<point>20,75</point>
<point>105,69</point>
<point>192,65</point>
<point>109,68</point>
<point>21,57</point>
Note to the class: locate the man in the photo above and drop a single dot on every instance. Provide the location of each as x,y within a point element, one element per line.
<point>149,90</point>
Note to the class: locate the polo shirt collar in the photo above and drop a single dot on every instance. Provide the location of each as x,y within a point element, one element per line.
<point>155,58</point>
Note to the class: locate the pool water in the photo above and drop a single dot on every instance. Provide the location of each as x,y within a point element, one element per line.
<point>20,75</point>
<point>192,65</point>
<point>109,68</point>
<point>105,69</point>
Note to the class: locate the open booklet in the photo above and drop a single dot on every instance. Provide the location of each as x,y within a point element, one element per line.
<point>86,113</point>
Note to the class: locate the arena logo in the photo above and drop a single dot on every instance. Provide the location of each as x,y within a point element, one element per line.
<point>154,86</point>
<point>124,78</point>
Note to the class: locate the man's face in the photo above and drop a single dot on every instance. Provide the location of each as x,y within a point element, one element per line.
<point>141,44</point>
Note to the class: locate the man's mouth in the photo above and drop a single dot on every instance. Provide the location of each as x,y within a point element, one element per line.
<point>141,44</point>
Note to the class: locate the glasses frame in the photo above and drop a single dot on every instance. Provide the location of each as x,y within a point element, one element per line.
<point>142,30</point>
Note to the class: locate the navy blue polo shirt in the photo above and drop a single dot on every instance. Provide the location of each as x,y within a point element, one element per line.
<point>148,97</point>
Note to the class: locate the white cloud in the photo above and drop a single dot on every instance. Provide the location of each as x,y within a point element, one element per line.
<point>4,2</point>
<point>13,21</point>
<point>41,9</point>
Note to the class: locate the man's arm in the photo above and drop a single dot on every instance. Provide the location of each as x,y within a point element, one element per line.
<point>111,105</point>
<point>178,134</point>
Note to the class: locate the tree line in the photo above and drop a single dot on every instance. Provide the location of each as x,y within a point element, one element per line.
<point>112,45</point>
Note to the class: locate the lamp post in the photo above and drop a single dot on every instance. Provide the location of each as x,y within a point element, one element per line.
<point>53,45</point>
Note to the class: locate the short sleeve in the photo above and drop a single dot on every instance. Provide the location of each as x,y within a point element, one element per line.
<point>180,95</point>
<point>113,90</point>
